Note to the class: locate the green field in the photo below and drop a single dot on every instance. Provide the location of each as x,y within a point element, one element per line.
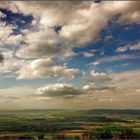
<point>70,124</point>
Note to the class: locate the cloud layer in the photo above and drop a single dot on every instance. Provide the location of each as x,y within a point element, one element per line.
<point>78,28</point>
<point>55,48</point>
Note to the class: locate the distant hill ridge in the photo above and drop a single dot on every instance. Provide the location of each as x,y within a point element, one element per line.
<point>91,111</point>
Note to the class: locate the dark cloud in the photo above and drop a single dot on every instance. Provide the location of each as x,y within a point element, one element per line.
<point>1,58</point>
<point>66,92</point>
<point>12,97</point>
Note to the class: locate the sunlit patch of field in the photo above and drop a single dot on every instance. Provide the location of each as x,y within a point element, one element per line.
<point>87,127</point>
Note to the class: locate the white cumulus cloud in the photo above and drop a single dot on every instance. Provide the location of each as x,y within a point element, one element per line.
<point>45,68</point>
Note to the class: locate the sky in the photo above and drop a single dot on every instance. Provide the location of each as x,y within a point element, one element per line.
<point>69,55</point>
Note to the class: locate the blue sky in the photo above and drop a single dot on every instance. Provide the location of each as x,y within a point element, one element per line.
<point>62,58</point>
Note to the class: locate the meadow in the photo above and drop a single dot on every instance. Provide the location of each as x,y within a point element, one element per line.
<point>70,124</point>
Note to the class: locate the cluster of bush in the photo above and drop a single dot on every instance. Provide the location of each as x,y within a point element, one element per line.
<point>101,133</point>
